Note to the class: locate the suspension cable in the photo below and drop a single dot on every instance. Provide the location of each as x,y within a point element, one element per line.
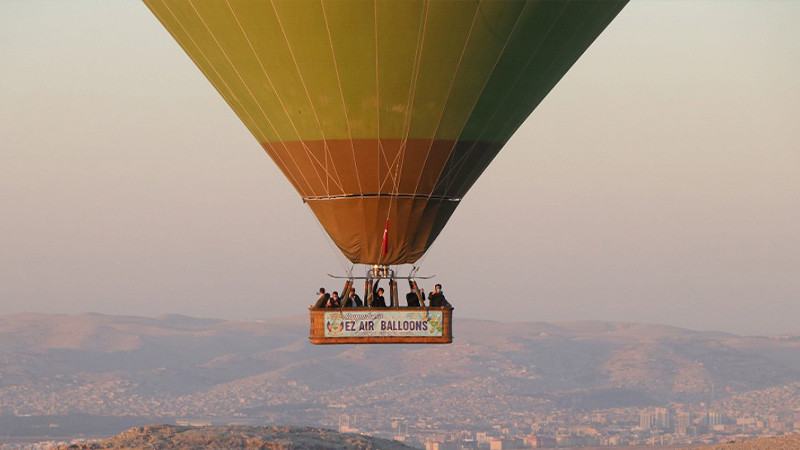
<point>339,256</point>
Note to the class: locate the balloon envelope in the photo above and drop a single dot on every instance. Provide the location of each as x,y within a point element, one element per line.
<point>383,113</point>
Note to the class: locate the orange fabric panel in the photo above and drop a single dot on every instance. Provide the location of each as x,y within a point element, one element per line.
<point>356,225</point>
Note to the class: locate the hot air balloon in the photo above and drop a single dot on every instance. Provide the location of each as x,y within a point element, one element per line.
<point>383,113</point>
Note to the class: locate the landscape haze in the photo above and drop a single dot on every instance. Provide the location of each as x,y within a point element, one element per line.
<point>625,272</point>
<point>592,382</point>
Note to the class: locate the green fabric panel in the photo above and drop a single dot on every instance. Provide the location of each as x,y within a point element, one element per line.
<point>587,24</point>
<point>489,35</point>
<point>579,25</point>
<point>535,26</point>
<point>548,40</point>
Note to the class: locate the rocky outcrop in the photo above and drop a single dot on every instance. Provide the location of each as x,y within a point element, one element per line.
<point>788,442</point>
<point>237,437</point>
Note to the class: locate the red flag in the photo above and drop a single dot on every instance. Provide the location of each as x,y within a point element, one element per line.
<point>385,242</point>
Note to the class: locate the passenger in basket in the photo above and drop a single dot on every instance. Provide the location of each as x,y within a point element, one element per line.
<point>347,302</point>
<point>353,299</point>
<point>437,299</point>
<point>413,301</point>
<point>336,302</point>
<point>377,299</point>
<point>321,299</point>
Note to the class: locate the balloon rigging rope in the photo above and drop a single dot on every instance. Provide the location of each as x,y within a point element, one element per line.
<point>339,257</point>
<point>208,62</point>
<point>424,256</point>
<point>447,97</point>
<point>377,92</point>
<point>255,100</point>
<point>341,95</point>
<point>486,22</point>
<point>377,96</point>
<point>574,35</point>
<point>478,10</point>
<point>421,34</point>
<point>441,117</point>
<point>392,172</point>
<point>312,157</point>
<point>328,175</point>
<point>382,151</point>
<point>454,170</point>
<point>439,178</point>
<point>494,67</point>
<point>412,91</point>
<point>261,133</point>
<point>309,154</point>
<point>458,167</point>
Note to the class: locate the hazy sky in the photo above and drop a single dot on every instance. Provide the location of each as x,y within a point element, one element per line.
<point>659,182</point>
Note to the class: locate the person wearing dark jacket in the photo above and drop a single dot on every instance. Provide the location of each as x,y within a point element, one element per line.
<point>353,299</point>
<point>348,302</point>
<point>412,300</point>
<point>437,299</point>
<point>377,299</point>
<point>336,302</point>
<point>322,300</point>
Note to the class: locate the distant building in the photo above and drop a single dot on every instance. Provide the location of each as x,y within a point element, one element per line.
<point>540,442</point>
<point>746,422</point>
<point>344,424</point>
<point>505,444</point>
<point>660,418</point>
<point>578,441</point>
<point>683,422</point>
<point>614,441</point>
<point>663,418</point>
<point>646,419</point>
<point>442,445</point>
<point>714,418</point>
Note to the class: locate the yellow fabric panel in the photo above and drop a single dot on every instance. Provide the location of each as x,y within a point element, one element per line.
<point>399,31</point>
<point>353,37</point>
<point>447,28</point>
<point>307,36</point>
<point>257,45</point>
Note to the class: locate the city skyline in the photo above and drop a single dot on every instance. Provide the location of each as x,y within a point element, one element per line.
<point>585,383</point>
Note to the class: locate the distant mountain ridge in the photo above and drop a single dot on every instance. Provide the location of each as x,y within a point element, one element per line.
<point>179,366</point>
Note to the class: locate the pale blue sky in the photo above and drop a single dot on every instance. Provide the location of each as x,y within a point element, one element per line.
<point>659,182</point>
